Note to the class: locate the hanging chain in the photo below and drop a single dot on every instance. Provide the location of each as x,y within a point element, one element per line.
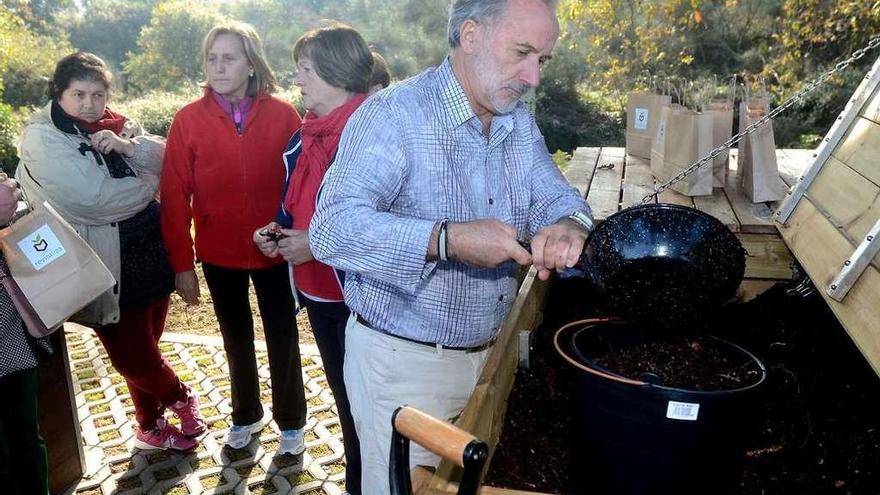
<point>750,129</point>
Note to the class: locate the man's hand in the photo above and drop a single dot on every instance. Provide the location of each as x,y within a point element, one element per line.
<point>557,247</point>
<point>9,196</point>
<point>294,247</point>
<point>187,285</point>
<point>485,243</point>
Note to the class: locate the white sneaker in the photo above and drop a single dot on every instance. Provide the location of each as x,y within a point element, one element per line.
<point>292,442</point>
<point>239,436</point>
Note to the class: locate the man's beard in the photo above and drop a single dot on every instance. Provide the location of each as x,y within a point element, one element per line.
<point>488,75</point>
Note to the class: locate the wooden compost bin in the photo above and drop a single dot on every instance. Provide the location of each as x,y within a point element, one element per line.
<point>612,180</point>
<point>831,219</point>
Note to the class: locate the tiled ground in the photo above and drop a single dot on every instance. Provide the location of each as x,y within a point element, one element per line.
<point>114,466</point>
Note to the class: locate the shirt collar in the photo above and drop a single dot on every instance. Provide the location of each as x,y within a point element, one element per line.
<point>454,99</point>
<point>243,105</point>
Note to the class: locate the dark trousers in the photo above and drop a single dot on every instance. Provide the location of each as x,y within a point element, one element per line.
<point>133,347</point>
<point>23,465</point>
<point>229,290</point>
<point>328,321</point>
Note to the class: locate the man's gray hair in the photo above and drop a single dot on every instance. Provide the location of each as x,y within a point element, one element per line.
<point>482,11</point>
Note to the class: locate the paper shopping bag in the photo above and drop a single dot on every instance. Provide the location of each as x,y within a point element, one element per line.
<point>757,168</point>
<point>683,137</point>
<point>642,119</point>
<point>56,270</point>
<point>722,129</point>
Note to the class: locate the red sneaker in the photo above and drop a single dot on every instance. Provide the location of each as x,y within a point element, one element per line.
<point>163,437</point>
<point>191,422</point>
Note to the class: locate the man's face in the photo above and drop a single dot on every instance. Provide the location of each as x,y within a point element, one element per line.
<point>509,60</point>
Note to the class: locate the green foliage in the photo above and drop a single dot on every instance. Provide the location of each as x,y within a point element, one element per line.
<point>27,60</point>
<point>155,110</point>
<point>170,46</point>
<point>636,44</point>
<point>569,119</point>
<point>561,159</point>
<point>10,123</point>
<point>812,36</point>
<point>109,28</point>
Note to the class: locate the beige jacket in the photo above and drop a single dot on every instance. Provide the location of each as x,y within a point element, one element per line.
<point>81,190</point>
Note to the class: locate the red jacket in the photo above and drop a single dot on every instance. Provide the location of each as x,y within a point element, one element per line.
<point>232,182</point>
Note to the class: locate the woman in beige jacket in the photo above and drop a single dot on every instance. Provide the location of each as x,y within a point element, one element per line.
<point>100,171</point>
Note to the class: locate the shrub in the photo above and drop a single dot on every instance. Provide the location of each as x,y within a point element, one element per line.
<point>155,110</point>
<point>27,60</point>
<point>170,46</point>
<point>10,125</point>
<point>568,120</point>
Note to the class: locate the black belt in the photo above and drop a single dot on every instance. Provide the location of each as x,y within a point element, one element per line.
<point>477,348</point>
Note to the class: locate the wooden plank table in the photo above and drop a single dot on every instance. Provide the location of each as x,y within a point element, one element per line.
<point>613,180</point>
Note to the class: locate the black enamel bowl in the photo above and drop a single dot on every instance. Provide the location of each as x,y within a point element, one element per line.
<point>663,265</point>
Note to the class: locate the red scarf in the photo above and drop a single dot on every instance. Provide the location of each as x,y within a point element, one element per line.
<point>320,140</point>
<point>110,120</point>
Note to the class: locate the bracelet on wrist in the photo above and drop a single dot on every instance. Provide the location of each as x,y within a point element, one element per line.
<point>443,241</point>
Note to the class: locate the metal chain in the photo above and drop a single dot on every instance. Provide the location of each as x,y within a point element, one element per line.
<point>750,129</point>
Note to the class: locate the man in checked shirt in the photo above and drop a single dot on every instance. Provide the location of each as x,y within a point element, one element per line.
<point>435,180</point>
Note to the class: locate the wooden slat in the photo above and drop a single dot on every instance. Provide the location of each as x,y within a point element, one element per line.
<point>821,250</point>
<point>752,217</point>
<point>793,163</point>
<point>638,181</point>
<point>581,168</point>
<point>719,207</point>
<point>483,415</point>
<point>604,194</point>
<point>750,289</point>
<point>860,149</point>
<point>767,258</point>
<point>676,198</point>
<point>851,202</point>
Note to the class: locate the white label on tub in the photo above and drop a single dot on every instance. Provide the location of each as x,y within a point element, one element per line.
<point>641,122</point>
<point>682,410</point>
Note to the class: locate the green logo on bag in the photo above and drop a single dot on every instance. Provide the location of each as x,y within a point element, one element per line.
<point>41,247</point>
<point>39,243</point>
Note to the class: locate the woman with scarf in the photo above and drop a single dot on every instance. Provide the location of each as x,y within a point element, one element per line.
<point>100,171</point>
<point>333,67</point>
<point>223,173</point>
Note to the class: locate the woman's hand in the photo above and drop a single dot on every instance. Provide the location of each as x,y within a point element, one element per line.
<point>9,196</point>
<point>266,244</point>
<point>106,141</point>
<point>294,247</point>
<point>187,285</point>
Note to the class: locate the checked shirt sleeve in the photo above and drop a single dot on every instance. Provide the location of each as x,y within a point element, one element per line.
<point>353,229</point>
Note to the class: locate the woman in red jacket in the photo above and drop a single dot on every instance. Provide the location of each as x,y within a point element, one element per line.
<point>223,172</point>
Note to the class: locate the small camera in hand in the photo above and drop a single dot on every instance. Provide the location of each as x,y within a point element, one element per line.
<point>273,233</point>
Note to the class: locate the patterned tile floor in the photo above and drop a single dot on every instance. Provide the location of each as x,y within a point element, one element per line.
<point>107,421</point>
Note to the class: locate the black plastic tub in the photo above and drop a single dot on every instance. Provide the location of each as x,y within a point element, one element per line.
<point>636,437</point>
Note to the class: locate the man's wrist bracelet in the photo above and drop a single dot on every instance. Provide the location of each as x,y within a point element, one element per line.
<point>443,241</point>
